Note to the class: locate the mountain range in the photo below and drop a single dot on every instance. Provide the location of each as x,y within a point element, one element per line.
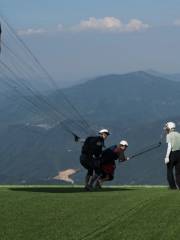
<point>133,106</point>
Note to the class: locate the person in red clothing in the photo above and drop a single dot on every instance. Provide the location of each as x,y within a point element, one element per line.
<point>108,164</point>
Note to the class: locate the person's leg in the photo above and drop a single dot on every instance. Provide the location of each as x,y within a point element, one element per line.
<point>177,168</point>
<point>177,173</point>
<point>98,183</point>
<point>89,177</point>
<point>96,166</point>
<point>108,177</point>
<point>86,163</point>
<point>101,180</point>
<point>107,174</point>
<point>170,174</point>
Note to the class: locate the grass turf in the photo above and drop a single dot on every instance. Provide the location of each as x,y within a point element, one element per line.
<point>65,213</point>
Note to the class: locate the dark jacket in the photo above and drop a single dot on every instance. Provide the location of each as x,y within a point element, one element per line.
<point>93,146</point>
<point>111,154</point>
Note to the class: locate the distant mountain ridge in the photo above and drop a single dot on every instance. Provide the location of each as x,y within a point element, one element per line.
<point>133,106</point>
<point>134,96</point>
<point>172,76</point>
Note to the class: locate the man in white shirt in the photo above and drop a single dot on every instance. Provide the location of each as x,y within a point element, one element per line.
<point>172,159</point>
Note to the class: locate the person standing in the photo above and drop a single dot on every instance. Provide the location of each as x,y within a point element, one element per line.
<point>91,154</point>
<point>172,159</point>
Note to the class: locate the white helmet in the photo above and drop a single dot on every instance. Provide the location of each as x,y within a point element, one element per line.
<point>170,125</point>
<point>104,131</point>
<point>124,143</point>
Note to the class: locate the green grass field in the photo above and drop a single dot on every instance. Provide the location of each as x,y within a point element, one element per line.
<point>52,212</point>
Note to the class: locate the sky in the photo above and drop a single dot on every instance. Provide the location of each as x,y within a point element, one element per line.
<point>81,39</point>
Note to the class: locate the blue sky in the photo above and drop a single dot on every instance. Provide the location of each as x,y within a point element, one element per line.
<point>80,39</point>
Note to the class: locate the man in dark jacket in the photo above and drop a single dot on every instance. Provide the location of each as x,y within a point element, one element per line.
<point>108,164</point>
<point>91,154</point>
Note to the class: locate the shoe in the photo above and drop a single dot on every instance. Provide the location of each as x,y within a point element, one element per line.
<point>172,188</point>
<point>88,188</point>
<point>98,185</point>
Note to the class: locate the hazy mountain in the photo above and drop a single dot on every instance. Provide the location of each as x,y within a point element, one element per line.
<point>133,97</point>
<point>133,106</point>
<point>172,76</point>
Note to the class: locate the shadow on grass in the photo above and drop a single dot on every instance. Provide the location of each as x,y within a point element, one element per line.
<point>66,189</point>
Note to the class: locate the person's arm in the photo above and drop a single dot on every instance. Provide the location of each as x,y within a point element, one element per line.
<point>122,157</point>
<point>169,148</point>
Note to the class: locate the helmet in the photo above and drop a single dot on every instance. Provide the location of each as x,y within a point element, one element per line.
<point>104,131</point>
<point>170,125</point>
<point>124,143</point>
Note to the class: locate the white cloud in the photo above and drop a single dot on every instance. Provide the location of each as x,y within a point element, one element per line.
<point>106,24</point>
<point>31,31</point>
<point>177,22</point>
<point>40,31</point>
<point>135,25</point>
<point>110,24</point>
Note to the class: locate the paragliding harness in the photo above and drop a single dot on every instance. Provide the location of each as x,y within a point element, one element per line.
<point>93,146</point>
<point>91,153</point>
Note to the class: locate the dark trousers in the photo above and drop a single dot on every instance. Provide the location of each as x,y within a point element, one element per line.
<point>174,163</point>
<point>86,162</point>
<point>91,164</point>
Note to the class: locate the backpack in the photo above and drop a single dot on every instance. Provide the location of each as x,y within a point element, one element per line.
<point>93,146</point>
